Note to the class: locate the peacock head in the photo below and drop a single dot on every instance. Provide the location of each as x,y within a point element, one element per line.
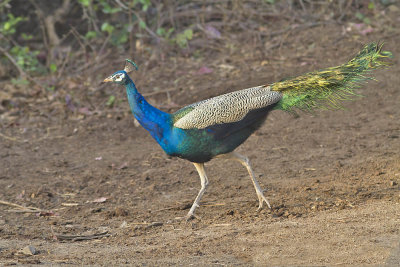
<point>121,76</point>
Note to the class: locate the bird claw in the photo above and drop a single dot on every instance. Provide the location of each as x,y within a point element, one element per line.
<point>186,218</point>
<point>190,217</point>
<point>260,207</point>
<point>261,200</point>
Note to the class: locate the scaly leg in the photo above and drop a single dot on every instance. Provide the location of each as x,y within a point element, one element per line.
<point>245,162</point>
<point>204,184</point>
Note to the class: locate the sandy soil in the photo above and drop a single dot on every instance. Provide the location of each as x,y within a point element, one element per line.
<point>332,177</point>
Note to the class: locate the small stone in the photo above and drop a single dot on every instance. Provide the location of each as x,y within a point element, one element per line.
<point>29,250</point>
<point>120,212</point>
<point>96,210</point>
<point>393,183</point>
<point>286,213</point>
<point>117,212</point>
<point>231,212</point>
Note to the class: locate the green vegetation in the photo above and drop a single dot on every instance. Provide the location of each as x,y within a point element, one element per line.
<point>23,55</point>
<point>105,24</point>
<point>50,37</point>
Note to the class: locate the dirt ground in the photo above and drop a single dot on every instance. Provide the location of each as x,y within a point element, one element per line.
<point>332,177</point>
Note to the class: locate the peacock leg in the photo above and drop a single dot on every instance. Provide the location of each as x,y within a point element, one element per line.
<point>204,184</point>
<point>245,162</point>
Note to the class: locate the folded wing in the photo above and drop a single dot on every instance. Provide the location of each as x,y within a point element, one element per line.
<point>225,109</point>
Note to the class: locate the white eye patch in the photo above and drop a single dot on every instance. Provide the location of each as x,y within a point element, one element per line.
<point>119,77</point>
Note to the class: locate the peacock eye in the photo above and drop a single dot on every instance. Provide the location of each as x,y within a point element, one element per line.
<point>119,77</point>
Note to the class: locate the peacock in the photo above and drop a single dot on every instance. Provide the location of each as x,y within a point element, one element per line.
<point>215,127</point>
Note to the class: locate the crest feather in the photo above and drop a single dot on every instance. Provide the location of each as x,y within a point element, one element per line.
<point>130,66</point>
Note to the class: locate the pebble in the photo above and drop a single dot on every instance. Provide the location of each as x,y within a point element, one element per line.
<point>29,250</point>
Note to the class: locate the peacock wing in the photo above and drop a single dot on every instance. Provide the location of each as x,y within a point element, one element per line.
<point>225,109</point>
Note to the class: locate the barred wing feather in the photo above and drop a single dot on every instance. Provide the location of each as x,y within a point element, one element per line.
<point>227,108</point>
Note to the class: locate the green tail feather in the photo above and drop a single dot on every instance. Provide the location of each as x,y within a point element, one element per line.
<point>325,88</point>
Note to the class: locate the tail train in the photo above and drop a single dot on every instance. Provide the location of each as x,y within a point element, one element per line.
<point>325,88</point>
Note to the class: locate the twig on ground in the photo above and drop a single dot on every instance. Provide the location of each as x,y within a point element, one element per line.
<point>80,237</point>
<point>10,138</point>
<point>20,208</point>
<point>213,205</point>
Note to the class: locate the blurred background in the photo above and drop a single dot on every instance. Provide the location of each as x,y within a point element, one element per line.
<point>59,51</point>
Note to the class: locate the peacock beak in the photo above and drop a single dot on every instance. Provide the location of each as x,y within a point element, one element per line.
<point>108,79</point>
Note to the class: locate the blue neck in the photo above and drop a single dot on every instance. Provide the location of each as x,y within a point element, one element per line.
<point>157,122</point>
